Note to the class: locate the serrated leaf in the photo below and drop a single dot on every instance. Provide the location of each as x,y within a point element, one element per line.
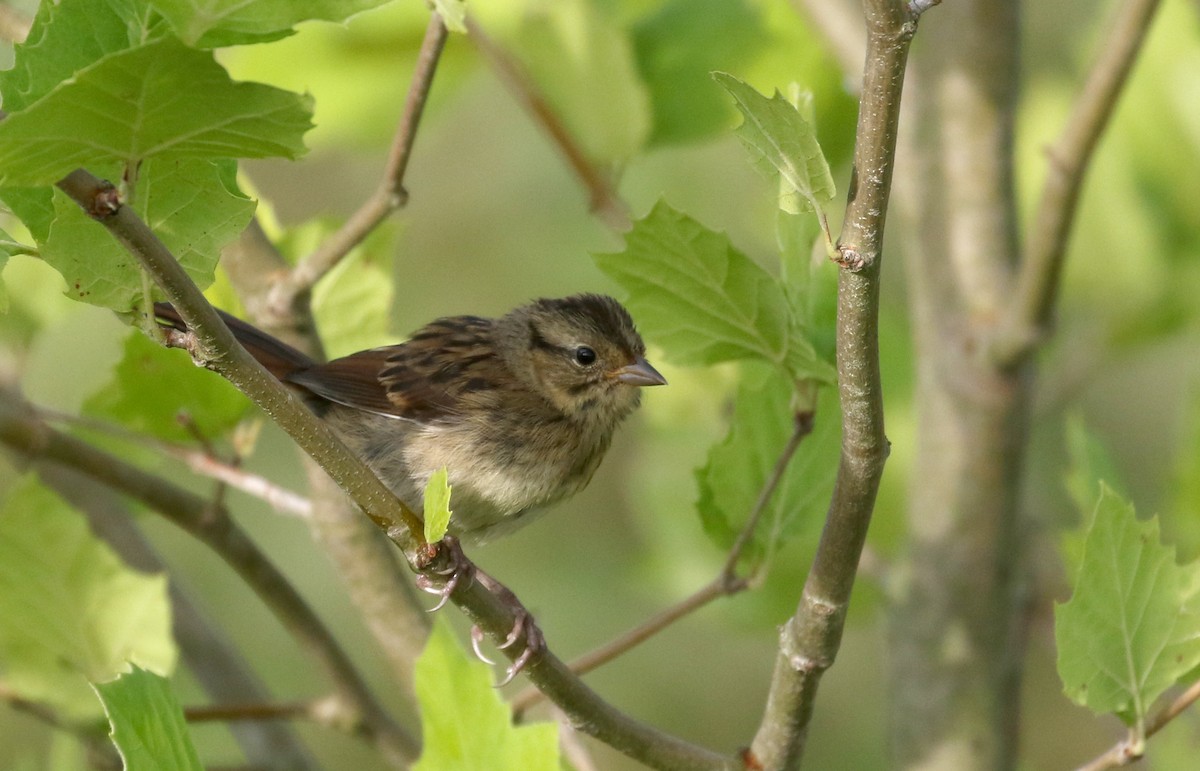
<point>739,465</point>
<point>677,47</point>
<point>437,506</point>
<point>160,98</point>
<point>1132,626</point>
<point>1089,467</point>
<point>782,142</point>
<point>136,398</point>
<point>353,302</point>
<point>465,724</point>
<point>584,66</point>
<point>191,206</point>
<point>704,301</point>
<point>453,13</point>
<point>147,723</point>
<point>213,23</point>
<point>68,36</point>
<point>34,206</point>
<point>70,610</point>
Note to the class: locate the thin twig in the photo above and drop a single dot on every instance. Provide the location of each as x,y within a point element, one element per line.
<point>811,638</point>
<point>603,198</point>
<point>231,713</point>
<point>1122,754</point>
<point>1029,314</point>
<point>390,194</point>
<point>205,463</point>
<point>494,612</point>
<point>21,430</point>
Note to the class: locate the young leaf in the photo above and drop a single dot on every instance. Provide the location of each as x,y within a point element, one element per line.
<point>465,724</point>
<point>453,13</point>
<point>215,23</point>
<point>140,103</point>
<point>740,464</point>
<point>437,506</point>
<point>191,205</point>
<point>704,301</point>
<point>782,142</point>
<point>70,610</point>
<point>1089,467</point>
<point>1132,627</point>
<point>147,723</point>
<point>136,398</point>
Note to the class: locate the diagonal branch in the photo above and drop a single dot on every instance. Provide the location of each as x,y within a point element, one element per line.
<point>1123,753</point>
<point>604,199</point>
<point>389,195</point>
<point>809,641</point>
<point>1031,309</point>
<point>21,430</point>
<point>493,613</point>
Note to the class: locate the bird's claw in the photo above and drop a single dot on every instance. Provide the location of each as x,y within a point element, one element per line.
<point>535,641</point>
<point>458,570</point>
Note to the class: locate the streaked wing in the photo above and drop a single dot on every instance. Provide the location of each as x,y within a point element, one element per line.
<point>422,380</point>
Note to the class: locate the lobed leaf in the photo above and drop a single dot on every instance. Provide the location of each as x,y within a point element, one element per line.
<point>192,205</point>
<point>215,23</point>
<point>465,725</point>
<point>141,103</point>
<point>70,610</point>
<point>147,723</point>
<point>704,301</point>
<point>781,141</point>
<point>1132,626</point>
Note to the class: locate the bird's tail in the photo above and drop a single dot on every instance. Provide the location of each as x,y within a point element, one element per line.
<point>279,358</point>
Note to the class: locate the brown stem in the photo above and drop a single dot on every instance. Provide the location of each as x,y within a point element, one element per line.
<point>22,431</point>
<point>389,195</point>
<point>604,200</point>
<point>810,640</point>
<point>1121,755</point>
<point>1029,314</point>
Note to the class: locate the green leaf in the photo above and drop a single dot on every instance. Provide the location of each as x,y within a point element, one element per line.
<point>191,205</point>
<point>145,102</point>
<point>782,142</point>
<point>583,64</point>
<point>353,302</point>
<point>214,23</point>
<point>69,36</point>
<point>147,723</point>
<point>34,206</point>
<point>704,301</point>
<point>453,13</point>
<point>1132,627</point>
<point>740,464</point>
<point>465,724</point>
<point>1183,526</point>
<point>136,398</point>
<point>677,47</point>
<point>437,506</point>
<point>70,610</point>
<point>1089,467</point>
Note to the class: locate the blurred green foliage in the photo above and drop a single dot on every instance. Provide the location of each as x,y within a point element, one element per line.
<point>495,218</point>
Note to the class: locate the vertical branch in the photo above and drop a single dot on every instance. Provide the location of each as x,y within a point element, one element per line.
<point>810,640</point>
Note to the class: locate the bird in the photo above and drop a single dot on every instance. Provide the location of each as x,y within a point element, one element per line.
<point>519,409</point>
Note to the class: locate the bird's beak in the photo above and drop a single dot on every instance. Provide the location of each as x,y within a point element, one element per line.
<point>640,373</point>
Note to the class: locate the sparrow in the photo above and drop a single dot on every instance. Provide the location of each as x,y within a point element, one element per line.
<point>519,409</point>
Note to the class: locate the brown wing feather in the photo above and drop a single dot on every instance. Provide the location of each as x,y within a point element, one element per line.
<point>424,379</point>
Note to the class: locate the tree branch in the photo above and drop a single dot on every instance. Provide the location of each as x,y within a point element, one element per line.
<point>603,198</point>
<point>21,430</point>
<point>494,614</point>
<point>390,195</point>
<point>1029,313</point>
<point>1122,753</point>
<point>810,640</point>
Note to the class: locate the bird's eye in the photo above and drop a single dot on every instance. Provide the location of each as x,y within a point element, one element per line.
<point>584,355</point>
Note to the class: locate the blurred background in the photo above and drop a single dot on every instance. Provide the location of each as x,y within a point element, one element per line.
<point>496,217</point>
